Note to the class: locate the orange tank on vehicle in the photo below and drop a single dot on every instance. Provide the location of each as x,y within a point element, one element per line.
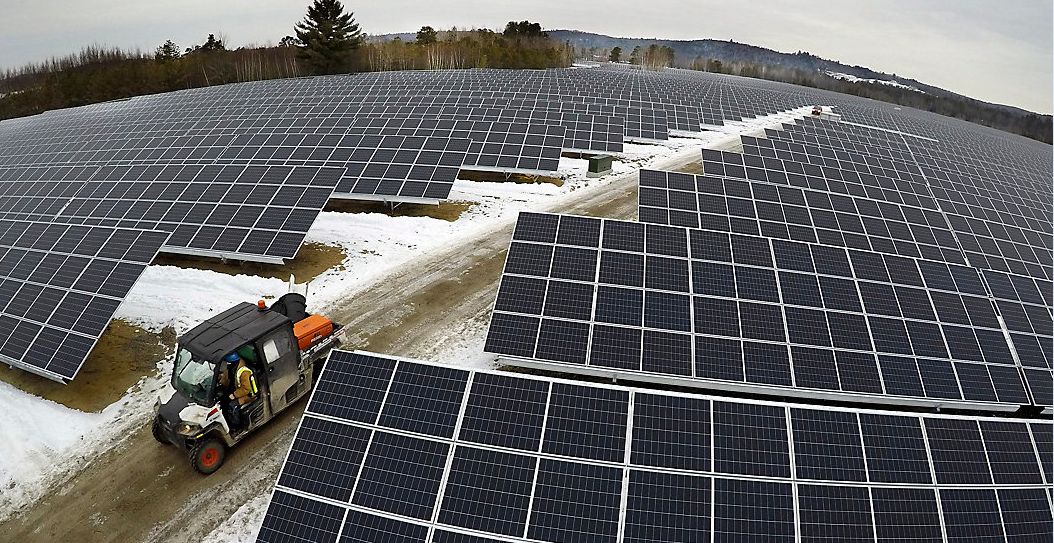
<point>311,330</point>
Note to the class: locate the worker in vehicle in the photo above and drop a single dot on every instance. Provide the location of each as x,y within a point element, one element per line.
<point>245,390</point>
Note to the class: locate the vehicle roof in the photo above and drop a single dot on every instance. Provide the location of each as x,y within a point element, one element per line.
<point>223,333</point>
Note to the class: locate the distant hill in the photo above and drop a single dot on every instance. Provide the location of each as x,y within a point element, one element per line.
<point>730,51</point>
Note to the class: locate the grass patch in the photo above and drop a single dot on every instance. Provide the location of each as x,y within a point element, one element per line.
<point>498,177</point>
<point>311,261</point>
<point>691,167</point>
<point>124,354</point>
<point>449,211</point>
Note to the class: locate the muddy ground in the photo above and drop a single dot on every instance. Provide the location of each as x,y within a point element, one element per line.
<point>311,261</point>
<point>122,356</point>
<point>449,211</point>
<point>143,491</point>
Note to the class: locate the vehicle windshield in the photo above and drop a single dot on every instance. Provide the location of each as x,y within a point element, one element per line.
<point>194,378</point>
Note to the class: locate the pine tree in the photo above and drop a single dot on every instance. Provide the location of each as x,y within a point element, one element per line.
<point>167,51</point>
<point>213,44</point>
<point>427,36</point>
<point>616,54</point>
<point>634,56</point>
<point>328,37</point>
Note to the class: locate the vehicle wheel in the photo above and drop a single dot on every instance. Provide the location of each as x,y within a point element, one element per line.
<point>208,455</point>
<point>155,429</point>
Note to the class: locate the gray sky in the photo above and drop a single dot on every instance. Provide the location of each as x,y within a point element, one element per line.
<point>994,50</point>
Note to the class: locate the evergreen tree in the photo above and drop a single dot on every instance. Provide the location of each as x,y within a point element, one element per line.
<point>616,54</point>
<point>524,29</point>
<point>634,56</point>
<point>328,37</point>
<point>167,51</point>
<point>212,44</point>
<point>427,35</point>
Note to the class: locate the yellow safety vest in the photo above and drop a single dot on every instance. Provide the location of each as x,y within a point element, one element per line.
<point>252,378</point>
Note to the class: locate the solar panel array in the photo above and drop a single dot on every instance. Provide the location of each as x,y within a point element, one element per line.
<point>709,308</point>
<point>236,211</point>
<point>397,450</point>
<point>241,171</point>
<point>889,264</point>
<point>60,284</point>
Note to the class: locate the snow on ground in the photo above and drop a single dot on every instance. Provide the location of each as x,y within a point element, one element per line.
<point>244,524</point>
<point>855,79</point>
<point>374,244</point>
<point>55,442</point>
<point>46,423</point>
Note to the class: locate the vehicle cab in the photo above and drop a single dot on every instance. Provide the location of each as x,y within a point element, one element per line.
<point>194,411</point>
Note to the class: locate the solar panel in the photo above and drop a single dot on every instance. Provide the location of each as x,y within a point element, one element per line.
<point>517,148</point>
<point>742,312</point>
<point>377,166</point>
<point>799,214</point>
<point>245,212</point>
<point>877,222</point>
<point>510,146</point>
<point>60,285</point>
<point>998,213</point>
<point>661,466</point>
<point>641,124</point>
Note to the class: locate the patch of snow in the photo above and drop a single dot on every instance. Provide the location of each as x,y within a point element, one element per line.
<point>55,442</point>
<point>855,79</point>
<point>243,525</point>
<point>34,429</point>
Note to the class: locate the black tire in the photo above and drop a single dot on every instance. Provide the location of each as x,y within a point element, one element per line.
<point>207,456</point>
<point>155,429</point>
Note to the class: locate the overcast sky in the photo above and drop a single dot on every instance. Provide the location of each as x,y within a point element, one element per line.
<point>994,50</point>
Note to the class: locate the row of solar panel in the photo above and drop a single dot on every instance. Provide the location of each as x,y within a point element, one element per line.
<point>973,194</point>
<point>1000,220</point>
<point>942,155</point>
<point>591,120</point>
<point>1018,211</point>
<point>260,212</point>
<point>705,307</point>
<point>583,132</point>
<point>400,449</point>
<point>781,212</point>
<point>60,285</point>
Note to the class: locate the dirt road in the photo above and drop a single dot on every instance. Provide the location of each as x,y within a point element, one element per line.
<point>145,492</point>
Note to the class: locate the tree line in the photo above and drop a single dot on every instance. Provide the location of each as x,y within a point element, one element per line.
<point>653,57</point>
<point>515,48</point>
<point>327,41</point>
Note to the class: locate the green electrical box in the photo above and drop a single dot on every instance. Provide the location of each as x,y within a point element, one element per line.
<point>599,165</point>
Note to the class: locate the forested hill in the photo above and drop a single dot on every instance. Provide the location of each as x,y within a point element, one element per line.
<point>803,68</point>
<point>689,52</point>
